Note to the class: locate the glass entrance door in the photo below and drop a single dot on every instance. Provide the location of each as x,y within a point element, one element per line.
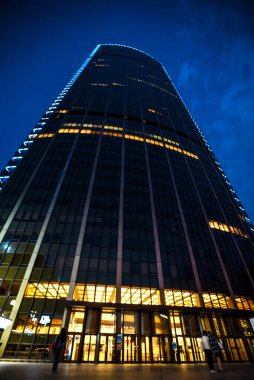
<point>72,347</point>
<point>160,348</point>
<point>106,352</point>
<point>89,348</point>
<point>145,349</point>
<point>130,349</point>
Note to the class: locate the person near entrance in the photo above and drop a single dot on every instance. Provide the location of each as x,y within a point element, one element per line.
<point>59,345</point>
<point>216,348</point>
<point>205,346</point>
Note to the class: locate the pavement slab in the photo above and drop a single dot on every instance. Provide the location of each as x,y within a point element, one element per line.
<point>74,371</point>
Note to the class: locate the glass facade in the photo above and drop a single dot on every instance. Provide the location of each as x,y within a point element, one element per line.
<point>117,222</point>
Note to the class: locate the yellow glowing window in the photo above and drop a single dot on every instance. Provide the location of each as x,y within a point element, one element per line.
<point>143,296</point>
<point>95,293</point>
<point>181,298</point>
<point>72,125</point>
<point>217,300</point>
<point>71,130</point>
<point>151,110</point>
<point>86,131</point>
<point>135,137</point>
<point>61,111</point>
<point>245,303</point>
<point>45,135</point>
<point>113,127</point>
<point>226,228</point>
<point>52,290</point>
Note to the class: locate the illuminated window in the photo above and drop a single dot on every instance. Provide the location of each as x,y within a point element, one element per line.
<point>50,290</point>
<point>129,322</point>
<point>68,130</point>
<point>152,110</point>
<point>45,135</point>
<point>72,125</point>
<point>108,322</point>
<point>245,303</point>
<point>161,323</point>
<point>113,127</point>
<point>216,300</point>
<point>181,298</point>
<point>61,111</point>
<point>55,326</point>
<point>246,327</point>
<point>142,296</point>
<point>95,293</point>
<point>118,84</point>
<point>225,228</point>
<point>175,323</point>
<point>135,137</point>
<point>76,321</point>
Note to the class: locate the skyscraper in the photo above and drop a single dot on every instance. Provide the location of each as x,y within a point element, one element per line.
<point>118,223</point>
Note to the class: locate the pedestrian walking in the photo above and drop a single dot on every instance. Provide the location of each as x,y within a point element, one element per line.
<point>205,346</point>
<point>59,345</point>
<point>216,348</point>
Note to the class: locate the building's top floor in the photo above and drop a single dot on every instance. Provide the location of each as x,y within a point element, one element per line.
<point>127,51</point>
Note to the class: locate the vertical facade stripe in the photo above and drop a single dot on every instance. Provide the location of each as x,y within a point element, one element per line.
<point>34,255</point>
<point>119,266</point>
<point>155,230</point>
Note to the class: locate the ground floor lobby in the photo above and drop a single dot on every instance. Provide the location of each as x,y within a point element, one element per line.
<point>135,334</point>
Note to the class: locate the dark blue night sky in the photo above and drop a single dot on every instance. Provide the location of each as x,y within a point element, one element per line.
<point>206,46</point>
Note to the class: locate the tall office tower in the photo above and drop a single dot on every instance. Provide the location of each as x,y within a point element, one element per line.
<point>118,223</point>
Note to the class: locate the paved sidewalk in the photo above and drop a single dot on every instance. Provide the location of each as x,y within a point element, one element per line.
<point>42,371</point>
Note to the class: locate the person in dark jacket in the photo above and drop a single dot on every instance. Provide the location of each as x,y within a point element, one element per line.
<point>60,343</point>
<point>216,348</point>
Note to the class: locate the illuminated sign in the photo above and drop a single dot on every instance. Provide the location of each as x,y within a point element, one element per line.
<point>4,322</point>
<point>45,320</point>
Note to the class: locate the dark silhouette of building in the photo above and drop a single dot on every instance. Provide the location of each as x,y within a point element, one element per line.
<point>118,223</point>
